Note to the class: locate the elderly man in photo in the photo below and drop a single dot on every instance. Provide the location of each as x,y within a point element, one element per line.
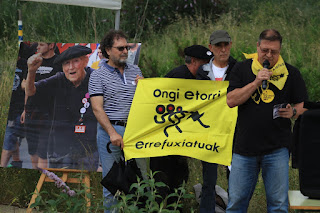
<point>73,132</point>
<point>264,125</point>
<point>111,89</point>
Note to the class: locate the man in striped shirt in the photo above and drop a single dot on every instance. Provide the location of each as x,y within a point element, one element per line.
<point>111,90</point>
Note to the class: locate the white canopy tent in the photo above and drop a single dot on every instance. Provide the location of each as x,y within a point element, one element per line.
<point>107,4</point>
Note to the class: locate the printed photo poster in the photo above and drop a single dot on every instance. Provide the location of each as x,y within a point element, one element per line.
<point>56,127</point>
<point>181,117</point>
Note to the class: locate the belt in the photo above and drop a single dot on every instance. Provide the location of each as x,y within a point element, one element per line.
<point>119,123</point>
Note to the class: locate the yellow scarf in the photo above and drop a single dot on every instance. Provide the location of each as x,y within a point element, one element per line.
<point>279,70</point>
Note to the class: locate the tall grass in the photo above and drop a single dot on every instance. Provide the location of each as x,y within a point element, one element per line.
<point>297,21</point>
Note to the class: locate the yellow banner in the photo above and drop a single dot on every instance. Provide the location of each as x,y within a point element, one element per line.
<point>181,117</point>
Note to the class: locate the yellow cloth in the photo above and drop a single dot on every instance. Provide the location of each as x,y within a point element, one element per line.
<point>95,65</point>
<point>279,70</point>
<point>201,124</point>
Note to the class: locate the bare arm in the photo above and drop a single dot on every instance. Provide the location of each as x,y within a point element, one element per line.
<point>103,119</point>
<point>34,63</point>
<point>240,95</point>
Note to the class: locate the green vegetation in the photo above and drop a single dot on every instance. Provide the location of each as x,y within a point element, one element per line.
<point>162,50</point>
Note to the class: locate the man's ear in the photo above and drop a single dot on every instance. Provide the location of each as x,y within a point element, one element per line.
<point>51,46</point>
<point>108,51</point>
<point>85,60</point>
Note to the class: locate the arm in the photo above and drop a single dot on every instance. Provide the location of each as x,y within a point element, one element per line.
<point>34,63</point>
<point>23,115</point>
<point>103,119</point>
<point>288,111</point>
<point>240,95</point>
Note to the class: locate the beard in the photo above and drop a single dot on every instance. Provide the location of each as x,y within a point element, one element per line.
<point>120,61</point>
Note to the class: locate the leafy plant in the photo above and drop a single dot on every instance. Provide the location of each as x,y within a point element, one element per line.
<point>147,199</point>
<point>62,202</point>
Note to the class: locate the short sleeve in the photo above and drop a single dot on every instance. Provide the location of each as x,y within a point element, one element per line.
<point>95,84</point>
<point>235,80</point>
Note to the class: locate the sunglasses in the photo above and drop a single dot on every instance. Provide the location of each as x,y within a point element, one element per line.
<point>121,48</point>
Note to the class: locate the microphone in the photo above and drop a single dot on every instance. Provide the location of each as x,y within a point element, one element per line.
<point>265,64</point>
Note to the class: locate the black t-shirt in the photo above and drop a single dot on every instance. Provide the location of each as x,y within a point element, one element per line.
<point>257,132</point>
<point>46,70</point>
<point>17,97</point>
<point>68,101</point>
<point>180,72</point>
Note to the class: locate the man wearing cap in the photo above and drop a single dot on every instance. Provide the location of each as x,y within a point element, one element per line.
<point>174,168</point>
<point>195,56</point>
<point>264,124</point>
<point>111,89</point>
<point>218,69</point>
<point>73,133</point>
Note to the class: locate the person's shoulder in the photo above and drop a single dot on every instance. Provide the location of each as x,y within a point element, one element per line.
<point>291,68</point>
<point>245,62</point>
<point>132,66</point>
<point>203,70</point>
<point>177,72</point>
<point>89,70</point>
<point>232,60</point>
<point>133,69</point>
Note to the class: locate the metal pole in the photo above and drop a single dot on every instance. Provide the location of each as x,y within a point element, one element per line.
<point>20,32</point>
<point>117,20</point>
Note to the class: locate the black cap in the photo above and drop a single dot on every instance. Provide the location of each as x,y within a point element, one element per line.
<point>72,52</point>
<point>198,51</point>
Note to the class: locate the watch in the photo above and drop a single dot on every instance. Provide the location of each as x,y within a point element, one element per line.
<point>294,111</point>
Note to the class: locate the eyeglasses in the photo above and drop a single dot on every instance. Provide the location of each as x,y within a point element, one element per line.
<point>121,48</point>
<point>272,52</point>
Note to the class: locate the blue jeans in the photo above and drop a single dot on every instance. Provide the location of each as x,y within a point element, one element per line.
<point>108,159</point>
<point>208,193</point>
<point>244,175</point>
<point>14,131</point>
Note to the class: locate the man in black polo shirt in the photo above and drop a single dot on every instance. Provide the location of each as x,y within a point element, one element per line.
<point>73,133</point>
<point>173,170</point>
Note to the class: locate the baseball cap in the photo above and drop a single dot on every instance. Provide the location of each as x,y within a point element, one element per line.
<point>219,36</point>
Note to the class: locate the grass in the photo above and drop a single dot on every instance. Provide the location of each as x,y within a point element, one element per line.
<point>297,21</point>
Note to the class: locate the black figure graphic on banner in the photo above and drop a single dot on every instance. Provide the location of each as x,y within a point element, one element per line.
<point>175,117</point>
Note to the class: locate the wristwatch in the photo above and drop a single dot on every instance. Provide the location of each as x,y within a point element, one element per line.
<point>294,111</point>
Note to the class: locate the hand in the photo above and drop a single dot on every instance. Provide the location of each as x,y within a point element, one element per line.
<point>137,79</point>
<point>286,112</point>
<point>263,74</point>
<point>23,117</point>
<point>116,140</point>
<point>34,63</point>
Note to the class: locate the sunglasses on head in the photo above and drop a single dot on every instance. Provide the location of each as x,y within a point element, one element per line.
<point>121,48</point>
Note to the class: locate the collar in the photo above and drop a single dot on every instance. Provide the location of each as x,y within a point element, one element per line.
<point>279,71</point>
<point>110,68</point>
